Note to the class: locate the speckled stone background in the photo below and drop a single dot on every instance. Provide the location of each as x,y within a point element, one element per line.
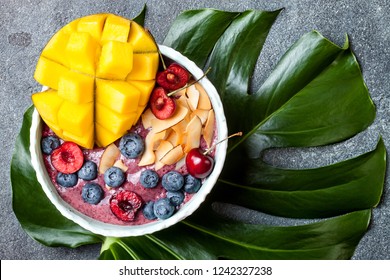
<point>26,25</point>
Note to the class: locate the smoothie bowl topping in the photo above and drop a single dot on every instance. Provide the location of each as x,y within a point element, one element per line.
<point>115,132</point>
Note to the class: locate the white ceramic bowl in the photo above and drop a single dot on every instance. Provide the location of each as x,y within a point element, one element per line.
<point>187,209</point>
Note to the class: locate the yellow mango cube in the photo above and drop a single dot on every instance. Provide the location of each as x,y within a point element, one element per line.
<point>116,60</point>
<point>76,87</point>
<point>54,127</point>
<point>86,140</point>
<point>145,66</point>
<point>75,118</point>
<point>104,137</point>
<point>48,72</point>
<point>92,24</point>
<point>119,96</point>
<point>141,40</point>
<point>47,104</point>
<point>114,122</point>
<point>81,52</point>
<point>55,48</point>
<point>70,27</point>
<point>145,88</point>
<point>115,28</point>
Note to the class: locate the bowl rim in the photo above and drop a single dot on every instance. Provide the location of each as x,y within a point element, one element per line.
<point>111,230</point>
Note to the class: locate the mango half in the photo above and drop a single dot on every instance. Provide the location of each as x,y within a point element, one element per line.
<point>100,70</point>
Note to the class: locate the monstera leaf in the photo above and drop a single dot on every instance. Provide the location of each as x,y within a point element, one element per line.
<point>315,96</point>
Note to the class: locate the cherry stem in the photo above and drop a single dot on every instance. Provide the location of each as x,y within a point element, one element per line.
<point>213,146</point>
<point>190,84</point>
<point>158,50</point>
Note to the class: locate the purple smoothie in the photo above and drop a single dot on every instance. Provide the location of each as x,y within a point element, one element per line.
<point>101,211</point>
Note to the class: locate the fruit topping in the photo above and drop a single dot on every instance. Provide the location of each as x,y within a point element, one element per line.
<point>199,163</point>
<point>148,211</point>
<point>174,77</point>
<point>114,177</point>
<point>67,158</point>
<point>49,144</point>
<point>131,145</point>
<point>66,180</point>
<point>88,171</point>
<point>99,68</point>
<point>191,184</point>
<point>192,119</point>
<point>149,178</point>
<point>163,208</point>
<point>125,204</point>
<point>161,105</point>
<point>92,193</point>
<point>172,181</point>
<point>175,197</point>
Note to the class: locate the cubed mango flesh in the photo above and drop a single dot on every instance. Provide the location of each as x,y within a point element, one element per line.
<point>116,60</point>
<point>92,24</point>
<point>48,104</point>
<point>104,137</point>
<point>75,118</point>
<point>49,72</point>
<point>141,39</point>
<point>112,121</point>
<point>86,140</point>
<point>119,96</point>
<point>101,69</point>
<point>145,66</point>
<point>81,52</point>
<point>145,88</point>
<point>116,28</point>
<point>55,48</point>
<point>76,87</point>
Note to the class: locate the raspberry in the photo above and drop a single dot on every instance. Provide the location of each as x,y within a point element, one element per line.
<point>125,204</point>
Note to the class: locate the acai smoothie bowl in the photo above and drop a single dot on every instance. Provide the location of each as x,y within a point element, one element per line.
<point>127,136</point>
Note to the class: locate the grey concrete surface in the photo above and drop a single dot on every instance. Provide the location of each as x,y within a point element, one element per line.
<point>26,25</point>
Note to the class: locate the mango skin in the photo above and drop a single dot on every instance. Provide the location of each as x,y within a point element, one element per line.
<point>101,70</point>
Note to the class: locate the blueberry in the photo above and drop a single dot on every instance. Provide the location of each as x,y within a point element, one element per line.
<point>163,208</point>
<point>191,184</point>
<point>131,145</point>
<point>148,211</point>
<point>92,193</point>
<point>172,181</point>
<point>149,178</point>
<point>88,171</point>
<point>175,197</point>
<point>49,144</point>
<point>114,177</point>
<point>66,180</point>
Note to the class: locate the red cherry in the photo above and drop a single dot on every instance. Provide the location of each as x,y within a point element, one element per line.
<point>199,164</point>
<point>162,105</point>
<point>174,77</point>
<point>67,158</point>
